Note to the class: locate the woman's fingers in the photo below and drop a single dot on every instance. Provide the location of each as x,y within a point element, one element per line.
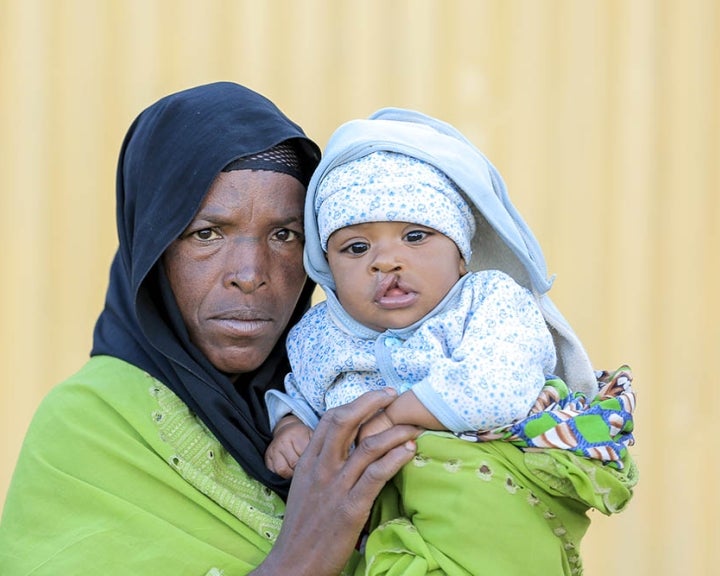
<point>334,487</point>
<point>377,458</point>
<point>338,427</point>
<point>363,471</point>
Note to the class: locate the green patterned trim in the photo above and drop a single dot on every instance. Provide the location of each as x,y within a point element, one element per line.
<point>203,462</point>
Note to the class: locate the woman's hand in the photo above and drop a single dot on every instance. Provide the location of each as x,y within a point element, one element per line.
<point>334,488</point>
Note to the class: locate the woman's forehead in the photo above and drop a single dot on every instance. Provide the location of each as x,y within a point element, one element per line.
<point>254,192</point>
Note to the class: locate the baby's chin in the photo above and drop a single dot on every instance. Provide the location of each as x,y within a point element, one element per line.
<point>396,320</point>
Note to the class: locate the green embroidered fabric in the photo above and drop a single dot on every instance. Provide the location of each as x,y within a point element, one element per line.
<point>116,477</point>
<point>512,500</point>
<point>462,508</point>
<point>205,464</point>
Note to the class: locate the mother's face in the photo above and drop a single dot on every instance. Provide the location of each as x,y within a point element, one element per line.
<point>236,271</point>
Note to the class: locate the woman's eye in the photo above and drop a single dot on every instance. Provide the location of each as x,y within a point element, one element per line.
<point>287,235</point>
<point>416,235</point>
<point>205,234</point>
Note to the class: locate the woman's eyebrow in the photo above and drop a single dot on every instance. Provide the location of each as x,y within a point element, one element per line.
<point>210,213</point>
<point>290,220</point>
<point>218,215</point>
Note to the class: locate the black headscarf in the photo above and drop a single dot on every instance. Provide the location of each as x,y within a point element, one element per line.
<point>170,156</point>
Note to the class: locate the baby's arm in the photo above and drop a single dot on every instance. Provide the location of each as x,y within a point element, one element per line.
<point>291,437</point>
<point>489,373</point>
<point>406,409</point>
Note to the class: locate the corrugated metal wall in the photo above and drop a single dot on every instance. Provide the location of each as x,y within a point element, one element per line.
<point>603,116</point>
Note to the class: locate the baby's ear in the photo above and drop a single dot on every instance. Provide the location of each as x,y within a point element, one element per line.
<point>463,267</point>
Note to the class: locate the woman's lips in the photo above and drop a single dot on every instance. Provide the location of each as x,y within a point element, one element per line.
<point>244,323</point>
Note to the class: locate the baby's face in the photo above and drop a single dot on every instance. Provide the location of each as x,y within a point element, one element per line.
<point>391,274</point>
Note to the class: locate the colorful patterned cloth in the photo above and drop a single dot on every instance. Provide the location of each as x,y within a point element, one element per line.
<point>599,428</point>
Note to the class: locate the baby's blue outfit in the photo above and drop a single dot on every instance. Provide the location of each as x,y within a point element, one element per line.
<point>476,362</point>
<point>480,358</point>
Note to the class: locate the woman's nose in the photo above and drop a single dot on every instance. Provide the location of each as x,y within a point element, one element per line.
<point>246,267</point>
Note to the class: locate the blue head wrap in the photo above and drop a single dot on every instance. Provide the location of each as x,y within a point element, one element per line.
<point>502,240</point>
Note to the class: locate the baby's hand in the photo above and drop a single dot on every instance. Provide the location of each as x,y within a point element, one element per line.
<point>405,409</point>
<point>291,439</point>
<point>377,424</point>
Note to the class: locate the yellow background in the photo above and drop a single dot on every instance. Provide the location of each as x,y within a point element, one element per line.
<point>603,116</point>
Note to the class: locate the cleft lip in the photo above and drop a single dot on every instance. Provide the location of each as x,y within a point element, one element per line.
<point>392,293</point>
<point>387,283</point>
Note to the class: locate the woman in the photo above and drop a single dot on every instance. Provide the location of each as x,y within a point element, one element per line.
<point>149,460</point>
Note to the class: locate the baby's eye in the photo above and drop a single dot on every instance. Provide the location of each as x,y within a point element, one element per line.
<point>416,235</point>
<point>206,234</point>
<point>357,248</point>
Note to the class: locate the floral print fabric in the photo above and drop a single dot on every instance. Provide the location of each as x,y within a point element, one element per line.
<point>477,363</point>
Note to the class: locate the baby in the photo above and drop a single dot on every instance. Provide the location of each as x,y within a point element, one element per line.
<point>465,351</point>
<point>437,288</point>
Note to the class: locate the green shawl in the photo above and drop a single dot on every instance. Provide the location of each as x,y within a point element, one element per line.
<point>510,501</point>
<point>490,509</point>
<point>116,476</point>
